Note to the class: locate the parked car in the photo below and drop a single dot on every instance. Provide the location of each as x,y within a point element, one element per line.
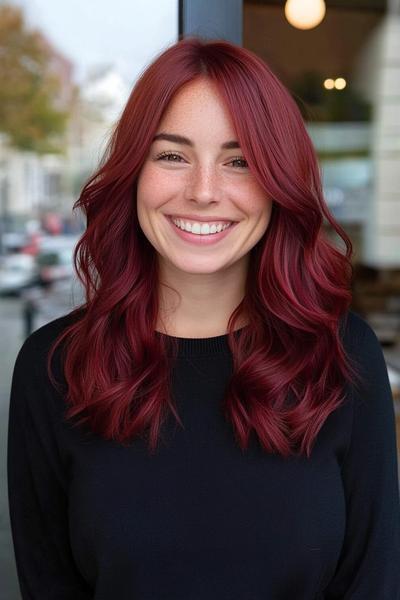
<point>17,272</point>
<point>55,258</point>
<point>54,265</point>
<point>43,304</point>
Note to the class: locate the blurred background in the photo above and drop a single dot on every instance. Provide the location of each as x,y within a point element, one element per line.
<point>66,71</point>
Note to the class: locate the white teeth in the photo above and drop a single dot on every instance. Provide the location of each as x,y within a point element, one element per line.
<point>200,228</point>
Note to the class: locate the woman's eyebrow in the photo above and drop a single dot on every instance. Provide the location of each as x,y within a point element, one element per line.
<point>180,139</point>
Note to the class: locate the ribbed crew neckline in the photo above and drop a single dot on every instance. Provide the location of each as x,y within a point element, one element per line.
<point>202,346</point>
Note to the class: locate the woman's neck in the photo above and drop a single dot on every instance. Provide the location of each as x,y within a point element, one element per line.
<point>200,305</point>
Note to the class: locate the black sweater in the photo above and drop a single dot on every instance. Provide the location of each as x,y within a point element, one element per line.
<point>201,520</point>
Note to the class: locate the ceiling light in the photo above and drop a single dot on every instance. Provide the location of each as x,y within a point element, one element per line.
<point>305,14</point>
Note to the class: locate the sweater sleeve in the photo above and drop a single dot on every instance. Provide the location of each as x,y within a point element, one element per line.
<point>37,489</point>
<point>368,566</point>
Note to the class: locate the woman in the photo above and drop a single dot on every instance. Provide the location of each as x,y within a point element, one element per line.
<point>214,422</point>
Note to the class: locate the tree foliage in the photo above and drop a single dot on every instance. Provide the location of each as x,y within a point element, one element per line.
<point>27,108</point>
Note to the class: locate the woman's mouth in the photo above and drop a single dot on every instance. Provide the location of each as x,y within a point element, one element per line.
<point>204,233</point>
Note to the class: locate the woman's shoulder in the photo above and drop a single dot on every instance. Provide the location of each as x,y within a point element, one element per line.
<point>356,332</point>
<point>363,346</point>
<point>48,332</point>
<point>36,346</point>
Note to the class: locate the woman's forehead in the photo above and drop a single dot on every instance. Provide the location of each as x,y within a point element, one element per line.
<point>198,110</point>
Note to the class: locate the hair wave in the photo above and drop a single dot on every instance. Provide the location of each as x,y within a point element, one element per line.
<point>290,369</point>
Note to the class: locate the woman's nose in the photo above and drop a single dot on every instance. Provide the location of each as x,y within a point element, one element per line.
<point>203,184</point>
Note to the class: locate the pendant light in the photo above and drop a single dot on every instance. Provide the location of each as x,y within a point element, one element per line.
<point>305,14</point>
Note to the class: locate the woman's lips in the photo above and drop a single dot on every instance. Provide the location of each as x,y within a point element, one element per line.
<point>201,240</point>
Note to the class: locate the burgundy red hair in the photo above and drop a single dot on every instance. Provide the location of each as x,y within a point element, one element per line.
<point>118,372</point>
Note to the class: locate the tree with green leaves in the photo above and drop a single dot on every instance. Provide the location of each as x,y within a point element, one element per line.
<point>28,114</point>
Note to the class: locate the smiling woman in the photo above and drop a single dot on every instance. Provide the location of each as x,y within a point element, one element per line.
<point>215,302</point>
<point>217,211</point>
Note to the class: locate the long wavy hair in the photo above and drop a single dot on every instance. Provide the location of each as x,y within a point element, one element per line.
<point>290,368</point>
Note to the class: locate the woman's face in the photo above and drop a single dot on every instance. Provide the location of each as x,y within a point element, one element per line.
<point>200,179</point>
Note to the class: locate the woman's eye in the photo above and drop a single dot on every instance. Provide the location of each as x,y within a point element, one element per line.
<point>242,160</point>
<point>167,155</point>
